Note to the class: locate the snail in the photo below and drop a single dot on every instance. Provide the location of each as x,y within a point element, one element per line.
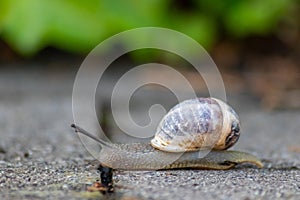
<point>195,133</point>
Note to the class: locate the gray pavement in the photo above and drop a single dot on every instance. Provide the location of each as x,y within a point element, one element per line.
<point>41,157</point>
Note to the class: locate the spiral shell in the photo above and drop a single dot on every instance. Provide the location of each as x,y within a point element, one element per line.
<point>197,124</point>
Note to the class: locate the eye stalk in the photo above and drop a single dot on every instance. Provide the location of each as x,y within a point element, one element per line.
<point>234,135</point>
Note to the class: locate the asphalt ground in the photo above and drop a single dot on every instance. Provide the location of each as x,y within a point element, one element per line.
<point>41,157</point>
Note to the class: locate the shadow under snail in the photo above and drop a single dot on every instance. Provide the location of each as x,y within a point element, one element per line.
<point>195,133</point>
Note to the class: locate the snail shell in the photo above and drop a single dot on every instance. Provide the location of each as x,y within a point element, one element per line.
<point>197,124</point>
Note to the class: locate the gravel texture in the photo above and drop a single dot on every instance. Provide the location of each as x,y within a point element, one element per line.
<point>40,157</point>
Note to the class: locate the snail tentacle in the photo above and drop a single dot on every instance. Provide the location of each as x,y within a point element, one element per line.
<point>84,132</point>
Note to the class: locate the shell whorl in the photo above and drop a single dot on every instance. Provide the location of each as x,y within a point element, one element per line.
<point>195,124</point>
<point>229,118</point>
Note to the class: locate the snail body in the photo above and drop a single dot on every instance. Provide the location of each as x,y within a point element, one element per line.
<point>142,156</point>
<point>193,134</point>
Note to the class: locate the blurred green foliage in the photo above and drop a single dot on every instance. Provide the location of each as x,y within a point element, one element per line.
<point>78,25</point>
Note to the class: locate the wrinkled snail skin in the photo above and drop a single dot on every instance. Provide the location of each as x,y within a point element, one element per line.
<point>142,156</point>
<point>193,134</point>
